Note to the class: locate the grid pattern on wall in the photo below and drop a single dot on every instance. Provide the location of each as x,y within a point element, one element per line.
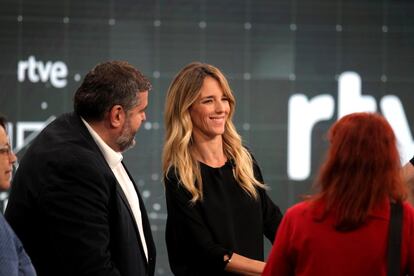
<point>269,50</point>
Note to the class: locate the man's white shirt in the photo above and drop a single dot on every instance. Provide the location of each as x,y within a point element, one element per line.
<point>114,160</point>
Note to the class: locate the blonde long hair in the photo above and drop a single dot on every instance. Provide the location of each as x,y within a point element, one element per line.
<point>182,93</point>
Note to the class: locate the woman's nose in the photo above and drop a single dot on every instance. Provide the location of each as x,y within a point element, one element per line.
<point>219,106</point>
<point>12,157</point>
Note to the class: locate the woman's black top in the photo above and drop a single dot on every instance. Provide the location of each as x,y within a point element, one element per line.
<point>227,220</point>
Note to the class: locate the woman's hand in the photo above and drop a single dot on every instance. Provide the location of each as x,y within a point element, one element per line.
<point>244,266</point>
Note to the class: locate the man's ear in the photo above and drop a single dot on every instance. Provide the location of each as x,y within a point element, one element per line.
<point>116,116</point>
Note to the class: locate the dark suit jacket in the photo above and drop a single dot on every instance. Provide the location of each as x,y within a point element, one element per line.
<point>69,211</point>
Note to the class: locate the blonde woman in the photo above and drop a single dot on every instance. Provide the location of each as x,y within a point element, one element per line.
<point>218,210</point>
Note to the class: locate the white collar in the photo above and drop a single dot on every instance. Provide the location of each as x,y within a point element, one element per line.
<point>112,157</point>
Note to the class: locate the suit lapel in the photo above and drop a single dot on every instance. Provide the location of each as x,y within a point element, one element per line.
<point>145,221</point>
<point>76,120</point>
<point>134,222</point>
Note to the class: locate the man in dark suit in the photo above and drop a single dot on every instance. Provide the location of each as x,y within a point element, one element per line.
<point>73,204</point>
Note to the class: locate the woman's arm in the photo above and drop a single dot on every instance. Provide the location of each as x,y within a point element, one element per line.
<point>190,244</point>
<point>244,266</point>
<point>272,216</point>
<point>186,224</point>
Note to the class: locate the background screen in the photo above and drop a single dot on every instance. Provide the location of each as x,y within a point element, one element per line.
<point>295,67</point>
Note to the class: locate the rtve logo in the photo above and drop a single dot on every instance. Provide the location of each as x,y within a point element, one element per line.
<point>304,113</point>
<point>37,70</point>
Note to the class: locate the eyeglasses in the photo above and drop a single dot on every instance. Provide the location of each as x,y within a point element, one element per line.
<point>6,149</point>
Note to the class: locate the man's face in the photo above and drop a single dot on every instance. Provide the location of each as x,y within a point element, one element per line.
<point>133,121</point>
<point>7,159</point>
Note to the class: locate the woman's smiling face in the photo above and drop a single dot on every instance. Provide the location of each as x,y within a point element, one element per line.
<point>210,111</point>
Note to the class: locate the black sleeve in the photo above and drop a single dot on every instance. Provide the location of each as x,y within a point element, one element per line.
<point>79,209</point>
<point>190,244</point>
<point>272,215</point>
<point>71,217</point>
<point>412,161</point>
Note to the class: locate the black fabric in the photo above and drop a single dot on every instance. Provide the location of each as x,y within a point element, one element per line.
<point>227,220</point>
<point>69,211</point>
<point>394,240</point>
<point>412,161</point>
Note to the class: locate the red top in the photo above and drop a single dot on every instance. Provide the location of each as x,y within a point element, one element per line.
<point>304,246</point>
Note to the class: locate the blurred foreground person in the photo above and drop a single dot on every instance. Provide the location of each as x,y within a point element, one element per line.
<point>343,229</point>
<point>13,259</point>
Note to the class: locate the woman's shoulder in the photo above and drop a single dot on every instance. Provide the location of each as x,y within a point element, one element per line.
<point>299,209</point>
<point>172,173</point>
<point>407,206</point>
<point>249,151</point>
<point>408,210</point>
<point>171,178</point>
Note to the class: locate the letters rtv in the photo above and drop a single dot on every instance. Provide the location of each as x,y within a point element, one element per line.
<point>55,72</point>
<point>304,113</point>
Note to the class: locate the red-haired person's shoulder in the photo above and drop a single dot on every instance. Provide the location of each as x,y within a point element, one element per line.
<point>408,206</point>
<point>299,210</point>
<point>408,212</point>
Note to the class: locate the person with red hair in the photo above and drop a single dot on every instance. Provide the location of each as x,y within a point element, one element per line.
<point>343,229</point>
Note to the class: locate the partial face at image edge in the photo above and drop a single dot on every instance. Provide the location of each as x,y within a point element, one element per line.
<point>7,160</point>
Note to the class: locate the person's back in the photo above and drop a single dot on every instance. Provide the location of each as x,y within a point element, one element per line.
<point>343,228</point>
<point>316,248</point>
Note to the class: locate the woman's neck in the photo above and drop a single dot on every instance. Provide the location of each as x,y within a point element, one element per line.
<point>209,152</point>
